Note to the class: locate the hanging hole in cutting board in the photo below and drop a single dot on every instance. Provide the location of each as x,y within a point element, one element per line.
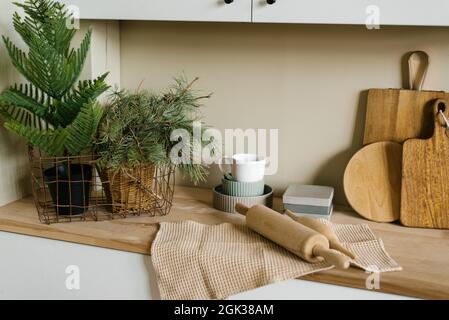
<point>427,120</point>
<point>441,110</point>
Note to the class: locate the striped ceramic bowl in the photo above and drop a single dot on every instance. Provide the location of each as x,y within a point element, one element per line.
<point>227,203</point>
<point>242,189</point>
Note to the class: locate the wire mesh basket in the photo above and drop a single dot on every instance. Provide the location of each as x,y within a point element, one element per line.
<point>137,190</point>
<point>71,188</point>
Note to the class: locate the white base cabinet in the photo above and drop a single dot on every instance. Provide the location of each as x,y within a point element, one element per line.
<point>37,268</point>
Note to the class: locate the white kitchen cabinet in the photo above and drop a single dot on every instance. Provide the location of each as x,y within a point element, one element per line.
<point>388,12</point>
<point>169,10</point>
<point>361,12</point>
<point>38,268</point>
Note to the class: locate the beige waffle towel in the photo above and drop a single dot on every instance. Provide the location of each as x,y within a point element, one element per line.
<point>197,261</point>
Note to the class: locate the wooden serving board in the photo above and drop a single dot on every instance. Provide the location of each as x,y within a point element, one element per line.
<point>372,181</point>
<point>425,176</point>
<point>398,114</point>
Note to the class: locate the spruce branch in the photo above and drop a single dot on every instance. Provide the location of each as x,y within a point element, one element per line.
<point>136,127</point>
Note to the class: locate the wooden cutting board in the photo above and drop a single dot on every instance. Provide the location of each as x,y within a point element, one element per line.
<point>398,114</point>
<point>425,176</point>
<point>401,114</point>
<point>372,181</point>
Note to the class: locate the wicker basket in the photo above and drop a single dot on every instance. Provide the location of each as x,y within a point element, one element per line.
<point>134,190</point>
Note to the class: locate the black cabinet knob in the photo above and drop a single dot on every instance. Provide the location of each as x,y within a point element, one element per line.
<point>271,1</point>
<point>228,1</point>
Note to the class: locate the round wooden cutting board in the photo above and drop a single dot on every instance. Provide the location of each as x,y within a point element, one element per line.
<point>372,181</point>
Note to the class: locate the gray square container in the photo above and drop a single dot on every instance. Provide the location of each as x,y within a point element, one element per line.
<point>309,199</point>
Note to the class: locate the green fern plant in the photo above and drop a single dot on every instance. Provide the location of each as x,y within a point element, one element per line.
<point>53,111</point>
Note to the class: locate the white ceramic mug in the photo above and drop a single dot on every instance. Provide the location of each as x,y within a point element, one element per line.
<point>245,167</point>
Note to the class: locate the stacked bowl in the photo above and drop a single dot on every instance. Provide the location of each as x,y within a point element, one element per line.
<point>243,183</point>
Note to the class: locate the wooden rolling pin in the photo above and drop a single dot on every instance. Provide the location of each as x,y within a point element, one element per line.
<point>325,230</point>
<point>296,238</point>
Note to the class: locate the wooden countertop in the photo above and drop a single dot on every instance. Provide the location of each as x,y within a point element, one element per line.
<point>422,253</point>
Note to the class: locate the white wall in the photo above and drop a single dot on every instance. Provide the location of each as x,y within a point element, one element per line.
<point>307,81</point>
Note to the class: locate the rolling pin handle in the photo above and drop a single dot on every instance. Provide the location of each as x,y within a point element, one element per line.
<point>324,230</point>
<point>337,246</point>
<point>241,208</point>
<point>338,260</point>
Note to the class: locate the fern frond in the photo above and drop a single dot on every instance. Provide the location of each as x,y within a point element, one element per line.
<point>39,10</point>
<point>49,141</point>
<point>83,129</point>
<point>48,21</point>
<point>62,35</point>
<point>21,62</point>
<point>23,116</point>
<point>27,97</point>
<point>48,41</point>
<point>75,62</point>
<point>73,101</point>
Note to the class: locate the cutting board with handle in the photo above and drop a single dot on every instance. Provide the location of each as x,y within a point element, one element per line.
<point>401,114</point>
<point>425,175</point>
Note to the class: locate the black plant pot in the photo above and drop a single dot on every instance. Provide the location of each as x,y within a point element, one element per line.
<point>69,187</point>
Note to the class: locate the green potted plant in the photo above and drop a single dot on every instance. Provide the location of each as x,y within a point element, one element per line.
<point>53,111</point>
<point>135,139</point>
